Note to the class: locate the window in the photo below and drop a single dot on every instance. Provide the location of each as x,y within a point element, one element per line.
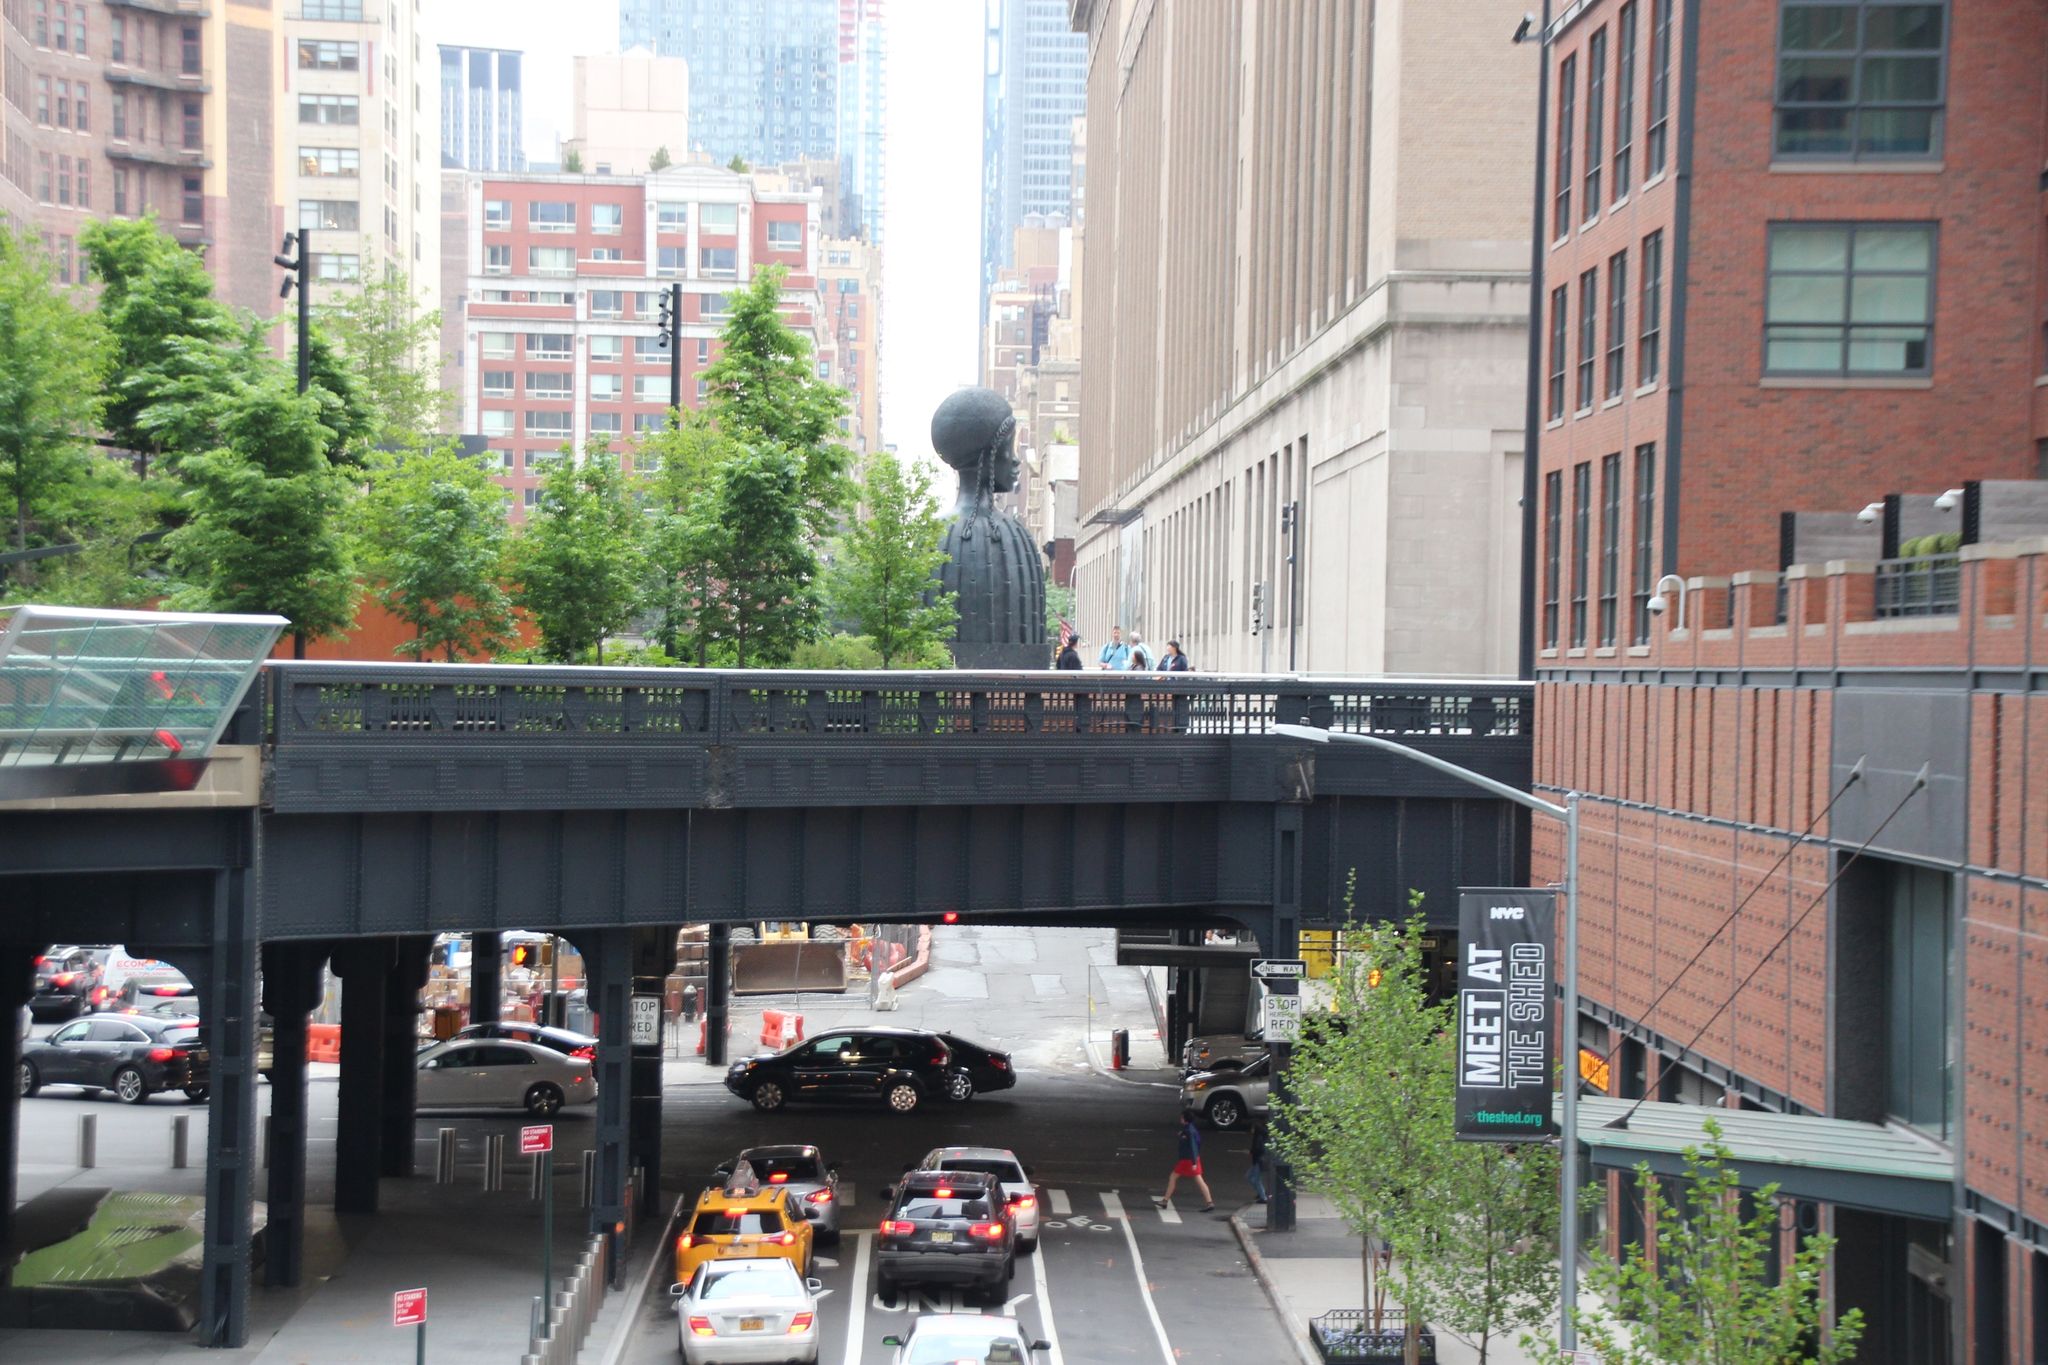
<point>1567,116</point>
<point>1582,526</point>
<point>1645,538</point>
<point>704,352</point>
<point>1596,120</point>
<point>496,422</point>
<point>607,424</point>
<point>43,100</point>
<point>349,10</point>
<point>1624,97</point>
<point>541,384</point>
<point>329,161</point>
<point>192,205</point>
<point>318,54</point>
<point>81,109</point>
<point>785,236</point>
<point>547,346</point>
<point>1858,79</point>
<point>497,215</point>
<point>1650,312</point>
<point>607,253</point>
<point>188,50</point>
<point>607,220</point>
<point>329,213</point>
<point>1610,546</point>
<point>1849,299</point>
<point>117,40</point>
<point>531,496</point>
<point>551,215</point>
<point>672,261</point>
<point>1557,332</point>
<point>551,260</point>
<point>1553,550</point>
<point>607,303</point>
<point>494,345</point>
<point>1589,333</point>
<point>551,298</point>
<point>550,425</point>
<point>329,109</point>
<point>120,190</point>
<point>607,350</point>
<point>606,388</point>
<point>192,127</point>
<point>63,104</point>
<point>497,383</point>
<point>497,260</point>
<point>1918,1029</point>
<point>645,422</point>
<point>337,268</point>
<point>63,179</point>
<point>649,350</point>
<point>718,261</point>
<point>1658,135</point>
<point>1617,322</point>
<point>117,105</point>
<point>670,216</point>
<point>713,306</point>
<point>651,388</point>
<point>60,41</point>
<point>718,218</point>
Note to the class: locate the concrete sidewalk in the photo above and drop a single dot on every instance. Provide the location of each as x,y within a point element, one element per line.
<point>1317,1267</point>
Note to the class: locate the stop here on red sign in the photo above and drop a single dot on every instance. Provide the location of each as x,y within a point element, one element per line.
<point>408,1307</point>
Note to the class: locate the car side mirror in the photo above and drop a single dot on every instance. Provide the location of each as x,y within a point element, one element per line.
<point>815,1286</point>
<point>1041,1346</point>
<point>723,1173</point>
<point>892,1341</point>
<point>677,1290</point>
<point>888,1192</point>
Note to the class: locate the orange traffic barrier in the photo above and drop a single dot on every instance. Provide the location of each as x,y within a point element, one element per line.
<point>323,1042</point>
<point>703,1032</point>
<point>780,1029</point>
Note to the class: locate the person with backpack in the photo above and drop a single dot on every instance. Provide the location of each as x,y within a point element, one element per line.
<point>1188,1163</point>
<point>1140,660</point>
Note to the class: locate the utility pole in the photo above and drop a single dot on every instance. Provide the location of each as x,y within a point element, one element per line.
<point>301,275</point>
<point>672,341</point>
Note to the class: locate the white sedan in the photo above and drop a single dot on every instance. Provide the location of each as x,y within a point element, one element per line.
<point>497,1073</point>
<point>747,1312</point>
<point>945,1338</point>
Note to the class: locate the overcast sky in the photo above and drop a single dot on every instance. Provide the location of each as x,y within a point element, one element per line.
<point>932,253</point>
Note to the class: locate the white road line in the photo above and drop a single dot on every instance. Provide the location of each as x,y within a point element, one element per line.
<point>857,1299</point>
<point>1167,1213</point>
<point>1052,1333</point>
<point>1061,1205</point>
<point>1113,1208</point>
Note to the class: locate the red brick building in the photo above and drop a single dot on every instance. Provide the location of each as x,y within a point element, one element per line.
<point>560,324</point>
<point>1798,267</point>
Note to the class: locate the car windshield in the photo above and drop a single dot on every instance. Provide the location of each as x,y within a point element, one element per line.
<point>1007,1171</point>
<point>926,1206</point>
<point>763,1277</point>
<point>733,1223</point>
<point>946,1348</point>
<point>781,1170</point>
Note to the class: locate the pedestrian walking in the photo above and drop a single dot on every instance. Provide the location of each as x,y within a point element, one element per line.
<point>1140,658</point>
<point>1070,657</point>
<point>1188,1163</point>
<point>1116,655</point>
<point>1173,661</point>
<point>1255,1175</point>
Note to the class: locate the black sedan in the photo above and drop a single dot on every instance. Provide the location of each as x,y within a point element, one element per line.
<point>65,977</point>
<point>976,1069</point>
<point>900,1067</point>
<point>133,1055</point>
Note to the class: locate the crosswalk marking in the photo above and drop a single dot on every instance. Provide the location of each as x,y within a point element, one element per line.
<point>1061,1205</point>
<point>1167,1213</point>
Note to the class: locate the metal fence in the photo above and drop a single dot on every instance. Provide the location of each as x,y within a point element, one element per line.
<point>1926,585</point>
<point>399,701</point>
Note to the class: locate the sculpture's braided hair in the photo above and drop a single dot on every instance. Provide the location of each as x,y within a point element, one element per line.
<point>985,493</point>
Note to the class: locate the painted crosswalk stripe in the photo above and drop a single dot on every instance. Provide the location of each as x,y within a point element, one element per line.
<point>1167,1213</point>
<point>1062,1206</point>
<point>1113,1209</point>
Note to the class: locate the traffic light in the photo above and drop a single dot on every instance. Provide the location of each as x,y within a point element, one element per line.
<point>521,954</point>
<point>1372,978</point>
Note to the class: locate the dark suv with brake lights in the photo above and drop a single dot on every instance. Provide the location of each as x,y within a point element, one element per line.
<point>900,1067</point>
<point>65,977</point>
<point>947,1228</point>
<point>134,1056</point>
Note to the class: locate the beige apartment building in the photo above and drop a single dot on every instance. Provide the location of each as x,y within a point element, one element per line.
<point>1306,295</point>
<point>850,333</point>
<point>627,108</point>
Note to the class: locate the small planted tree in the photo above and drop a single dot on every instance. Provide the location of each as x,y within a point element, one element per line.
<point>761,573</point>
<point>392,347</point>
<point>883,579</point>
<point>53,356</point>
<point>577,564</point>
<point>1706,1296</point>
<point>435,540</point>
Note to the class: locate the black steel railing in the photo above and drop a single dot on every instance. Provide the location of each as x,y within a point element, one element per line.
<point>330,700</point>
<point>1926,585</point>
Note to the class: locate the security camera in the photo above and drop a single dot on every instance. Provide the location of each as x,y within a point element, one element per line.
<point>1949,501</point>
<point>1522,33</point>
<point>1657,604</point>
<point>1870,513</point>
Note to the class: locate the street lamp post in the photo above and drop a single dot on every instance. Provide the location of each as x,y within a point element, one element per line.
<point>300,277</point>
<point>672,342</point>
<point>1568,1118</point>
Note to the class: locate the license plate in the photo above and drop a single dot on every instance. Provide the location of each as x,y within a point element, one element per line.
<point>942,1236</point>
<point>753,1324</point>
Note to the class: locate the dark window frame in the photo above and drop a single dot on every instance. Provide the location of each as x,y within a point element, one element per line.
<point>1553,551</point>
<point>1582,560</point>
<point>1650,310</point>
<point>1596,117</point>
<point>1849,275</point>
<point>1657,134</point>
<point>1558,331</point>
<point>1610,549</point>
<point>1624,99</point>
<point>1589,334</point>
<point>1858,57</point>
<point>1617,324</point>
<point>1567,116</point>
<point>1644,532</point>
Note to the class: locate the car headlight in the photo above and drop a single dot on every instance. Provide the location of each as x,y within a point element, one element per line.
<point>1197,1085</point>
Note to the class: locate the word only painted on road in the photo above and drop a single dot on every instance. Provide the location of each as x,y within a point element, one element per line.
<point>536,1138</point>
<point>408,1307</point>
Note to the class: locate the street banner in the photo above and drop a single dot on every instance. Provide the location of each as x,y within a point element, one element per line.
<point>1507,1047</point>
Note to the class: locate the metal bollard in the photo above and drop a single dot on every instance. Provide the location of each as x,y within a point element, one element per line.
<point>494,1162</point>
<point>88,1141</point>
<point>589,1176</point>
<point>444,1156</point>
<point>181,1141</point>
<point>533,1323</point>
<point>536,1180</point>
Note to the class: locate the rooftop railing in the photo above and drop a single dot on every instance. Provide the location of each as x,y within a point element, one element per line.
<point>1926,585</point>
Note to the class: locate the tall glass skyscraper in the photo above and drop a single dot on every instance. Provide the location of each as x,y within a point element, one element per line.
<point>1035,86</point>
<point>483,126</point>
<point>764,78</point>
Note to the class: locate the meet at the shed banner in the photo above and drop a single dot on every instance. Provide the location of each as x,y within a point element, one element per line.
<point>1507,946</point>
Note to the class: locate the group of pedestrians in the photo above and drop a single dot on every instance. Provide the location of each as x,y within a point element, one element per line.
<point>1187,1163</point>
<point>1119,657</point>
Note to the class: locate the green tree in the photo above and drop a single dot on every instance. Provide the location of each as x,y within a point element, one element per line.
<point>762,574</point>
<point>391,347</point>
<point>117,520</point>
<point>1059,603</point>
<point>883,577</point>
<point>738,164</point>
<point>1707,1298</point>
<point>763,389</point>
<point>267,511</point>
<point>680,465</point>
<point>660,161</point>
<point>56,358</point>
<point>434,541</point>
<point>572,162</point>
<point>577,563</point>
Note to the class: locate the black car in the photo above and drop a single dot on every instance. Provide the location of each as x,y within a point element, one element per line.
<point>65,977</point>
<point>899,1067</point>
<point>133,1055</point>
<point>947,1228</point>
<point>976,1068</point>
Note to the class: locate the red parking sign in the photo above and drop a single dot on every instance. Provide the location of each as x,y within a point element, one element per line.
<point>408,1307</point>
<point>540,1137</point>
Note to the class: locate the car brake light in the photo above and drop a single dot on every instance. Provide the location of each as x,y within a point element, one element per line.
<point>163,990</point>
<point>778,1177</point>
<point>991,1231</point>
<point>943,1192</point>
<point>819,1197</point>
<point>585,1053</point>
<point>1024,1201</point>
<point>702,1327</point>
<point>897,1227</point>
<point>162,1054</point>
<point>1000,1063</point>
<point>683,1242</point>
<point>41,960</point>
<point>65,978</point>
<point>801,1322</point>
<point>786,1239</point>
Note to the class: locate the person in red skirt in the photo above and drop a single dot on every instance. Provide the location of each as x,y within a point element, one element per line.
<point>1189,1164</point>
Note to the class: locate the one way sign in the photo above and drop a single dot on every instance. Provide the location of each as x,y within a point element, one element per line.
<point>1279,968</point>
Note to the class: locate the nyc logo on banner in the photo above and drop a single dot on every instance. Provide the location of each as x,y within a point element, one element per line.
<point>1507,1046</point>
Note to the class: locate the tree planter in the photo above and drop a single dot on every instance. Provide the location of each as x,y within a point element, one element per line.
<point>1345,1336</point>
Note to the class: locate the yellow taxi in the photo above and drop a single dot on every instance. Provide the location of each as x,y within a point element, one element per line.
<point>744,1218</point>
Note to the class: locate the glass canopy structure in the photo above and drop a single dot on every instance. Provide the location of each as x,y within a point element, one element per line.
<point>95,700</point>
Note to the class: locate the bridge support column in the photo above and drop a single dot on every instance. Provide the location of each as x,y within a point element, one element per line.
<point>486,976</point>
<point>717,991</point>
<point>365,968</point>
<point>231,1158</point>
<point>1283,940</point>
<point>654,957</point>
<point>608,955</point>
<point>401,1044</point>
<point>17,984</point>
<point>291,987</point>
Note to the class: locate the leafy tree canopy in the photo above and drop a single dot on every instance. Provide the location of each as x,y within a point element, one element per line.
<point>883,578</point>
<point>434,540</point>
<point>55,360</point>
<point>577,564</point>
